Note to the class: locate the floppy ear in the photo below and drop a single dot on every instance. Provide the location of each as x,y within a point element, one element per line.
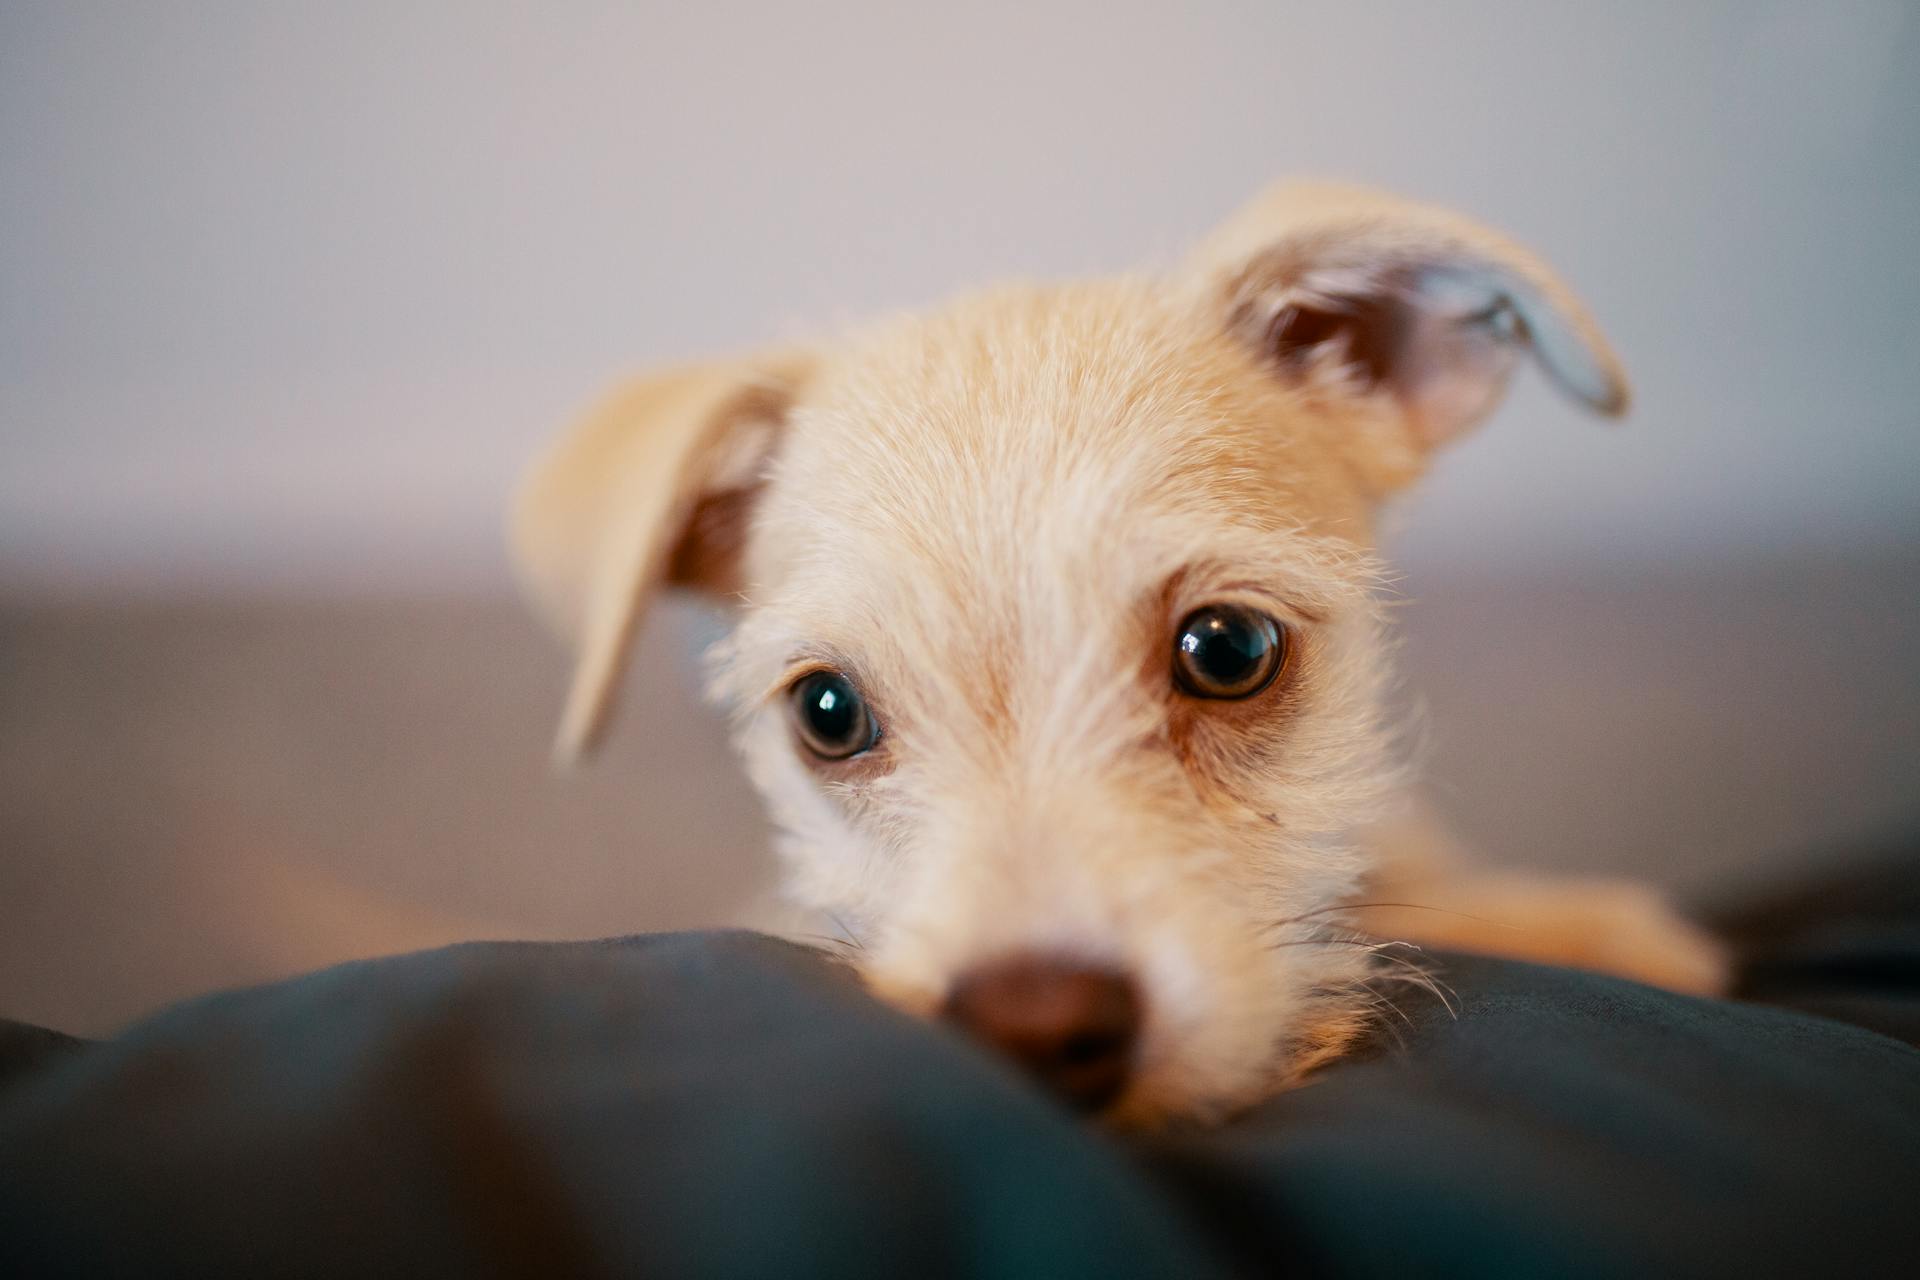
<point>654,487</point>
<point>1373,294</point>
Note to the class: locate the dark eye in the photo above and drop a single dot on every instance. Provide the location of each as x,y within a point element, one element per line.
<point>1225,651</point>
<point>831,716</point>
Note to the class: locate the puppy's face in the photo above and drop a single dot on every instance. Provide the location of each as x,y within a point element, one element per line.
<point>1055,650</point>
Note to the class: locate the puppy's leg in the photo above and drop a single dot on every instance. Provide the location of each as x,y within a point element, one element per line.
<point>1607,925</point>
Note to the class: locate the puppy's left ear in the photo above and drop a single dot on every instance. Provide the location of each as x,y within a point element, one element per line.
<point>656,487</point>
<point>1360,293</point>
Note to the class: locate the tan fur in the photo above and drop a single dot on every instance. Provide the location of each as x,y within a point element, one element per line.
<point>992,517</point>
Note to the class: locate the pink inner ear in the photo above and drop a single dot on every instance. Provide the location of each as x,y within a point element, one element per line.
<point>1361,333</point>
<point>1443,339</point>
<point>1451,372</point>
<point>1443,345</point>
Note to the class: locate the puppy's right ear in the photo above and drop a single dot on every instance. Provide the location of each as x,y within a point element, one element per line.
<point>655,487</point>
<point>1369,296</point>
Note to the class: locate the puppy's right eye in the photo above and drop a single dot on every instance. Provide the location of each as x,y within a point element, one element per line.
<point>1225,651</point>
<point>831,717</point>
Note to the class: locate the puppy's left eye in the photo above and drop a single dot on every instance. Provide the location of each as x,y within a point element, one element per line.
<point>1226,651</point>
<point>831,717</point>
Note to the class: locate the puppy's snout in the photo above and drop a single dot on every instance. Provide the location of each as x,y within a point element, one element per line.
<point>1073,1026</point>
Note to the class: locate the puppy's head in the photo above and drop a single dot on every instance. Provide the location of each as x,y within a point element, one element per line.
<point>1055,653</point>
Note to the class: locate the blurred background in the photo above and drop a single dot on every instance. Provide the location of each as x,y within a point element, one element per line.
<point>289,294</point>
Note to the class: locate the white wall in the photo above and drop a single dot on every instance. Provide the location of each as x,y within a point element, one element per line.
<point>287,292</point>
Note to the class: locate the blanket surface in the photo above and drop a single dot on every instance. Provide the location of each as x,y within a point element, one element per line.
<point>723,1104</point>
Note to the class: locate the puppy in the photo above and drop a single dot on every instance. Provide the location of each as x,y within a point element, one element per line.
<point>1056,645</point>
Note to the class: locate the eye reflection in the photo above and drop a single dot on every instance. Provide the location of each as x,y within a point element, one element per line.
<point>1228,651</point>
<point>830,716</point>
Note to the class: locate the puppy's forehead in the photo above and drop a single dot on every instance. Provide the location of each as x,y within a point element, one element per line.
<point>1003,474</point>
<point>1098,404</point>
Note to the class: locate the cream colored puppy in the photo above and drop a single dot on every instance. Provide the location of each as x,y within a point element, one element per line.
<point>1056,646</point>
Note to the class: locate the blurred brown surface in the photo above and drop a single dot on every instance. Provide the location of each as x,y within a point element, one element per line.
<point>194,795</point>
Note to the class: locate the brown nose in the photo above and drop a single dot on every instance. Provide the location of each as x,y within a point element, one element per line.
<point>1072,1026</point>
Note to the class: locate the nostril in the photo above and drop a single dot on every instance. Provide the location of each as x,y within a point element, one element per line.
<point>1072,1026</point>
<point>1081,1050</point>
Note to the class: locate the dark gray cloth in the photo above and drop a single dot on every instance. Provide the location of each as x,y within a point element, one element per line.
<point>728,1105</point>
